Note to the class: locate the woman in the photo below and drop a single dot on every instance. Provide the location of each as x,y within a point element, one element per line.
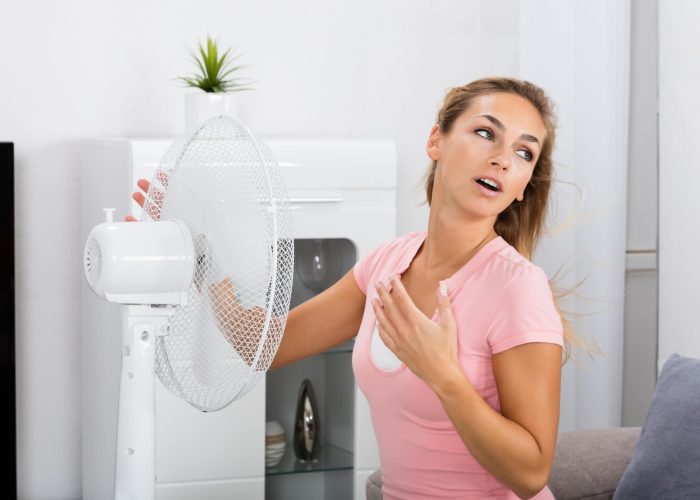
<point>459,338</point>
<point>477,413</point>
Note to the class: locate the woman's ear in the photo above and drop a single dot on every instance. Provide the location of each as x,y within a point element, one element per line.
<point>433,146</point>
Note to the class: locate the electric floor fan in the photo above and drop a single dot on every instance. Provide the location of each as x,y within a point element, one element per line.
<point>204,282</point>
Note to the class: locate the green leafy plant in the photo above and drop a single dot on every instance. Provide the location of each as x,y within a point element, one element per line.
<point>215,73</point>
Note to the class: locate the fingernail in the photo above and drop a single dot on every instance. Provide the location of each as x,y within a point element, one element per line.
<point>443,289</point>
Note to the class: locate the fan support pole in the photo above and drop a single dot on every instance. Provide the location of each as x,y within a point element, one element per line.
<point>135,474</point>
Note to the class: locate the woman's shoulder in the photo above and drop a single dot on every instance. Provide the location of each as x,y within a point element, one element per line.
<point>385,258</point>
<point>400,244</point>
<point>512,264</point>
<point>392,252</point>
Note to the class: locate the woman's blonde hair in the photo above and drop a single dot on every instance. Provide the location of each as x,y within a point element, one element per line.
<point>522,223</point>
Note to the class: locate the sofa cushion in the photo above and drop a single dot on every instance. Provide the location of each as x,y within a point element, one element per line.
<point>666,460</point>
<point>589,463</point>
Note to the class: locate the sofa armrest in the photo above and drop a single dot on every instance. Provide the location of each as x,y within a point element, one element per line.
<point>589,463</point>
<point>373,486</point>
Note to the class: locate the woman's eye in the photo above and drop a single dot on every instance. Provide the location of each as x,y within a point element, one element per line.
<point>485,133</point>
<point>527,156</point>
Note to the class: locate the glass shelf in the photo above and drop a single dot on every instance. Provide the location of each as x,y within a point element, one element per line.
<point>332,458</point>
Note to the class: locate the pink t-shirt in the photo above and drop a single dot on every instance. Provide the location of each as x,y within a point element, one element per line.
<point>500,300</point>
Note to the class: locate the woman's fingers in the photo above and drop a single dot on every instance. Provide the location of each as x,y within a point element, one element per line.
<point>151,199</point>
<point>401,298</point>
<point>224,297</point>
<point>386,332</point>
<point>151,203</point>
<point>143,184</point>
<point>389,307</point>
<point>153,208</point>
<point>392,318</point>
<point>138,198</point>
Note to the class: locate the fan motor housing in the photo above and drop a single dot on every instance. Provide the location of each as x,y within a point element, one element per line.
<point>140,262</point>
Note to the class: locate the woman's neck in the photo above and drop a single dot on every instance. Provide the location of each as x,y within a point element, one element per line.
<point>452,241</point>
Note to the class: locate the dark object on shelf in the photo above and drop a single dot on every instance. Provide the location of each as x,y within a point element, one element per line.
<point>8,474</point>
<point>307,429</point>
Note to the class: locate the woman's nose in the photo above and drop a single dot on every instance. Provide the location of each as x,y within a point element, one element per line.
<point>501,157</point>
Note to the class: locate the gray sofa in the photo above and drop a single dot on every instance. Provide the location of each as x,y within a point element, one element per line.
<point>587,464</point>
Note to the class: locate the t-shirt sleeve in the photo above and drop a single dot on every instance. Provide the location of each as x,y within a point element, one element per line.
<point>525,313</point>
<point>365,268</point>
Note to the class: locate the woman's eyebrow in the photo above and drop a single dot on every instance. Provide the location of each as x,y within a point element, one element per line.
<point>500,126</point>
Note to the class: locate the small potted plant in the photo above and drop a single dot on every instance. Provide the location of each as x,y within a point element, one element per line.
<point>217,80</point>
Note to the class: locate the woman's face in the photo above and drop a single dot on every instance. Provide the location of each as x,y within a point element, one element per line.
<point>498,137</point>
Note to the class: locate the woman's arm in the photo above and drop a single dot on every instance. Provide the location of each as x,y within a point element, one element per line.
<point>324,321</point>
<point>516,445</point>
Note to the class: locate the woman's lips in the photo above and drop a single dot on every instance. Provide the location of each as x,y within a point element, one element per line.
<point>487,191</point>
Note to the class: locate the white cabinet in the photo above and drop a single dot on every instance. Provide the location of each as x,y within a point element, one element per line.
<point>343,198</point>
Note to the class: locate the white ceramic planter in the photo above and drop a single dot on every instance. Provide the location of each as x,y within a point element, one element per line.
<point>200,106</point>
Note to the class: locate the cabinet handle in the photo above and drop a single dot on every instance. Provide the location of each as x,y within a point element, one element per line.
<point>318,199</point>
<point>294,203</point>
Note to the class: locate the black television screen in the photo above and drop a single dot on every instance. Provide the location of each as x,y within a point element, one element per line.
<point>8,472</point>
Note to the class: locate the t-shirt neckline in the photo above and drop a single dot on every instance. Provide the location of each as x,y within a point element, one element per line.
<point>472,264</point>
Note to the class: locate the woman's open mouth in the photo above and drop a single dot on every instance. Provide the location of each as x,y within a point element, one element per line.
<point>486,188</point>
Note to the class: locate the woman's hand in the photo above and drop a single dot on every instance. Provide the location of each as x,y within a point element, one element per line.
<point>425,347</point>
<point>155,202</point>
<point>243,327</point>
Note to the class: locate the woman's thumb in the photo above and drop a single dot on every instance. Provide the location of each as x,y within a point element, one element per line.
<point>444,304</point>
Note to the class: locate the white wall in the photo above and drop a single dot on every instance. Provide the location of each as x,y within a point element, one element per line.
<point>579,52</point>
<point>80,68</point>
<point>679,179</point>
<point>537,53</point>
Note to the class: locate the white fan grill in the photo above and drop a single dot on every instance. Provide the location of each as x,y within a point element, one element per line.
<point>225,185</point>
